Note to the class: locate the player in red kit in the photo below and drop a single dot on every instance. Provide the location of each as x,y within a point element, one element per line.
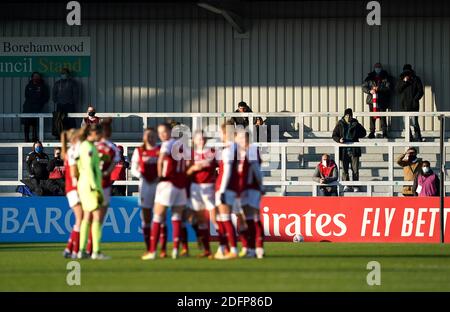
<point>203,176</point>
<point>109,156</point>
<point>70,156</point>
<point>170,191</point>
<point>144,167</point>
<point>227,191</point>
<point>252,188</point>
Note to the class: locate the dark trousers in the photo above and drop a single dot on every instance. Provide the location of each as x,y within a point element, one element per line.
<point>26,131</point>
<point>382,120</point>
<point>325,192</point>
<point>347,161</point>
<point>68,123</point>
<point>414,122</point>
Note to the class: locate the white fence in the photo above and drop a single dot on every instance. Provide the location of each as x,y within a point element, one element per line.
<point>282,146</point>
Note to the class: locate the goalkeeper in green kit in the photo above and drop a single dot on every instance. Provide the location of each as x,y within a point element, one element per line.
<point>90,192</point>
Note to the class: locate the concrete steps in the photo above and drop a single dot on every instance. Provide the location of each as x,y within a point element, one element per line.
<point>300,165</point>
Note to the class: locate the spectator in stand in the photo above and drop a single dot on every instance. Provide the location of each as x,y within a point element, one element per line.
<point>90,118</point>
<point>262,130</point>
<point>326,172</point>
<point>56,183</point>
<point>65,95</point>
<point>426,182</point>
<point>378,89</point>
<point>349,130</point>
<point>36,163</point>
<point>410,88</point>
<point>36,96</point>
<point>243,121</point>
<point>411,167</point>
<point>119,174</point>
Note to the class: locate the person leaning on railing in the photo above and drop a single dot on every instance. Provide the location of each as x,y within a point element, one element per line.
<point>411,168</point>
<point>90,118</point>
<point>326,172</point>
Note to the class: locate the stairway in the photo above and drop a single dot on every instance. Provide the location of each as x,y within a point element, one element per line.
<point>300,166</point>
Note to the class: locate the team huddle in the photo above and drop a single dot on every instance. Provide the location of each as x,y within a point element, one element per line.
<point>201,185</point>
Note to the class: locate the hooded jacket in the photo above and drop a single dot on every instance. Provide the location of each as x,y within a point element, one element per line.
<point>356,132</point>
<point>36,96</point>
<point>384,88</point>
<point>410,91</point>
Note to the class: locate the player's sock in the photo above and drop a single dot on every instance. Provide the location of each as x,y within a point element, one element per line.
<point>69,246</point>
<point>251,234</point>
<point>96,230</point>
<point>89,242</point>
<point>222,237</point>
<point>163,237</point>
<point>176,229</point>
<point>154,236</point>
<point>184,237</point>
<point>76,241</point>
<point>84,234</point>
<point>243,233</point>
<point>204,235</point>
<point>146,234</point>
<point>259,234</point>
<point>229,229</point>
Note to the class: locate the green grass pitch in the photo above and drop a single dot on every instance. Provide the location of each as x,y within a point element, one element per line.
<point>287,267</point>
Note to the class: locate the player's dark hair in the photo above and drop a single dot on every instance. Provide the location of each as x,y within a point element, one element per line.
<point>166,125</point>
<point>148,129</point>
<point>426,162</point>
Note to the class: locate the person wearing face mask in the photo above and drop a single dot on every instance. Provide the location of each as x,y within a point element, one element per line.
<point>348,130</point>
<point>411,168</point>
<point>36,96</point>
<point>410,89</point>
<point>65,95</point>
<point>90,118</point>
<point>36,164</point>
<point>377,86</point>
<point>426,182</point>
<point>55,183</point>
<point>326,172</point>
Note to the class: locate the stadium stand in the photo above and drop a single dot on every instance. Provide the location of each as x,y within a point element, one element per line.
<point>300,149</point>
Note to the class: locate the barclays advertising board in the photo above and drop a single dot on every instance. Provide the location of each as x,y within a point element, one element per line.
<point>49,219</point>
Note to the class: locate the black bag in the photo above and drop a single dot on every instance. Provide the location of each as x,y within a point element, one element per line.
<point>58,124</point>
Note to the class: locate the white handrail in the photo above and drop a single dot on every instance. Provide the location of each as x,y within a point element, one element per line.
<point>196,121</point>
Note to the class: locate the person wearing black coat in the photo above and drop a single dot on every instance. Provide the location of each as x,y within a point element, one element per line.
<point>36,164</point>
<point>348,130</point>
<point>36,96</point>
<point>242,121</point>
<point>410,89</point>
<point>377,82</point>
<point>65,96</point>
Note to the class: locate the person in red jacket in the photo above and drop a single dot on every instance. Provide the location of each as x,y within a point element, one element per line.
<point>326,172</point>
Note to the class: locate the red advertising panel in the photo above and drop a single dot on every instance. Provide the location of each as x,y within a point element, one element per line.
<point>353,219</point>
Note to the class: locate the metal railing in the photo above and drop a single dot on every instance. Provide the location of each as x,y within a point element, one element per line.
<point>197,123</point>
<point>197,117</point>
